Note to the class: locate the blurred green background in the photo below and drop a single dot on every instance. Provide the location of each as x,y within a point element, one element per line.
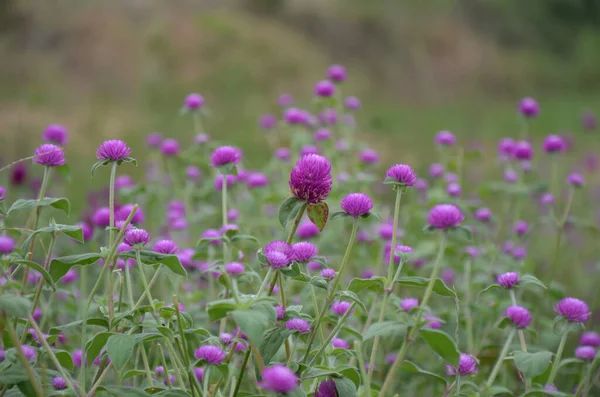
<point>121,68</point>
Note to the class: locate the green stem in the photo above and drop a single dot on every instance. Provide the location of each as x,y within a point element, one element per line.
<point>238,383</point>
<point>164,363</point>
<point>111,204</point>
<point>399,191</point>
<point>265,281</point>
<point>590,382</point>
<point>560,226</point>
<point>556,361</point>
<point>144,280</point>
<point>500,360</point>
<point>30,374</point>
<point>338,326</point>
<point>363,370</point>
<point>206,381</point>
<point>316,305</point>
<point>468,314</point>
<point>457,385</point>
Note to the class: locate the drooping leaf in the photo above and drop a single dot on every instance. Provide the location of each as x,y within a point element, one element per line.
<point>438,287</point>
<point>373,284</point>
<point>61,265</point>
<point>27,205</point>
<point>529,279</point>
<point>532,364</point>
<point>339,214</point>
<point>408,366</point>
<point>271,342</point>
<point>286,209</point>
<point>441,343</point>
<point>488,289</point>
<point>385,329</point>
<point>219,309</point>
<point>498,390</point>
<point>119,348</point>
<point>318,372</point>
<point>318,214</point>
<point>15,306</point>
<point>345,387</point>
<point>152,258</point>
<point>96,344</point>
<point>64,358</point>
<point>99,164</point>
<point>38,268</point>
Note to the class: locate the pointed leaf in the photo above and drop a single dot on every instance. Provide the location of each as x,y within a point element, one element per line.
<point>529,279</point>
<point>438,287</point>
<point>408,366</point>
<point>64,358</point>
<point>27,205</point>
<point>61,265</point>
<point>442,344</point>
<point>253,322</point>
<point>271,342</point>
<point>374,284</point>
<point>488,289</point>
<point>96,344</point>
<point>152,258</point>
<point>120,349</point>
<point>98,164</point>
<point>345,387</point>
<point>38,268</point>
<point>285,210</point>
<point>339,214</point>
<point>318,214</point>
<point>532,364</point>
<point>385,329</point>
<point>219,309</point>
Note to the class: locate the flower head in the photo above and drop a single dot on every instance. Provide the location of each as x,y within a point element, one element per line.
<point>49,155</point>
<point>199,373</point>
<point>573,309</point>
<point>340,308</point>
<point>235,268</point>
<point>159,370</point>
<point>519,316</point>
<point>154,139</point>
<point>7,245</point>
<point>521,228</point>
<point>506,147</point>
<point>445,216</point>
<point>402,174</point>
<point>445,138</point>
<point>56,134</point>
<point>356,204</point>
<point>298,324</point>
<point>409,304</point>
<point>369,156</point>
<point>307,230</point>
<point>170,147</point>
<point>267,121</point>
<point>280,311</point>
<point>225,155</point>
<point>554,144</point>
<point>483,214</point>
<point>214,355</point>
<point>279,254</point>
<point>588,120</point>
<point>165,247</point>
<point>279,379</point>
<point>113,150</point>
<point>193,101</point>
<point>467,365</point>
<point>433,321</point>
<point>29,352</point>
<point>336,73</point>
<point>201,139</point>
<point>523,151</point>
<point>256,180</point>
<point>454,190</point>
<point>340,343</point>
<point>326,388</point>
<point>310,180</point>
<point>126,210</point>
<point>59,383</point>
<point>328,273</point>
<point>282,153</point>
<point>436,170</point>
<point>528,107</point>
<point>304,251</point>
<point>352,103</point>
<point>508,280</point>
<point>324,88</point>
<point>576,179</point>
<point>136,236</point>
<point>590,338</point>
<point>586,353</point>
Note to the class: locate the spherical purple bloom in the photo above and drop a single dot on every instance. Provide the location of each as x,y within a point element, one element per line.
<point>235,268</point>
<point>49,155</point>
<point>170,380</point>
<point>421,185</point>
<point>402,174</point>
<point>159,370</point>
<point>29,352</point>
<point>467,365</point>
<point>576,179</point>
<point>225,155</point>
<point>547,199</point>
<point>285,100</point>
<point>473,252</point>
<point>193,172</point>
<point>586,353</point>
<point>56,134</point>
<point>307,230</point>
<point>554,144</point>
<point>523,150</point>
<point>304,251</point>
<point>454,190</point>
<point>483,214</point>
<point>336,73</point>
<point>341,145</point>
<point>7,245</point>
<point>298,324</point>
<point>212,234</point>
<point>154,139</point>
<point>326,389</point>
<point>506,147</point>
<point>445,216</point>
<point>70,277</point>
<point>508,280</point>
<point>409,304</point>
<point>433,321</point>
<point>214,355</point>
<point>170,147</point>
<point>279,379</point>
<point>322,134</point>
<point>295,116</point>
<point>590,338</point>
<point>519,252</point>
<point>256,180</point>
<point>225,338</point>
<point>528,107</point>
<point>280,312</point>
<point>199,373</point>
<point>445,138</point>
<point>267,121</point>
<point>136,236</point>
<point>201,139</point>
<point>125,211</point>
<point>313,266</point>
<point>18,174</point>
<point>519,316</point>
<point>310,180</point>
<point>59,383</point>
<point>113,150</point>
<point>193,101</point>
<point>356,204</point>
<point>352,103</point>
<point>339,308</point>
<point>324,88</point>
<point>520,228</point>
<point>369,156</point>
<point>340,343</point>
<point>282,154</point>
<point>328,273</point>
<point>101,217</point>
<point>279,254</point>
<point>123,181</point>
<point>78,357</point>
<point>573,309</point>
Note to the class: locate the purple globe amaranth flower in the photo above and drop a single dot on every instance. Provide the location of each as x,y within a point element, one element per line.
<point>295,116</point>
<point>235,268</point>
<point>336,73</point>
<point>310,180</point>
<point>519,316</point>
<point>322,134</point>
<point>326,389</point>
<point>308,149</point>
<point>356,204</point>
<point>588,120</point>
<point>29,352</point>
<point>280,311</point>
<point>101,217</point>
<point>78,357</point>
<point>123,181</point>
<point>56,134</point>
<point>267,121</point>
<point>304,251</point>
<point>313,266</point>
<point>279,379</point>
<point>448,276</point>
<point>256,180</point>
<point>225,338</point>
<point>467,365</point>
<point>547,199</point>
<point>49,155</point>
<point>586,353</point>
<point>369,156</point>
<point>340,343</point>
<point>421,185</point>
<point>433,321</point>
<point>523,150</point>
<point>298,324</point>
<point>519,252</point>
<point>285,100</point>
<point>307,230</point>
<point>59,383</point>
<point>279,254</point>
<point>282,153</point>
<point>454,190</point>
<point>212,234</point>
<point>70,277</point>
<point>483,214</point>
<point>506,148</point>
<point>2,191</point>
<point>521,228</point>
<point>445,216</point>
<point>445,138</point>
<point>136,236</point>
<point>576,179</point>
<point>473,252</point>
<point>193,101</point>
<point>352,103</point>
<point>159,371</point>
<point>450,177</point>
<point>328,273</point>
<point>126,210</point>
<point>324,88</point>
<point>213,355</point>
<point>170,147</point>
<point>171,380</point>
<point>510,176</point>
<point>402,173</point>
<point>436,170</point>
<point>7,245</point>
<point>528,107</point>
<point>339,308</point>
<point>225,155</point>
<point>508,280</point>
<point>341,145</point>
<point>590,338</point>
<point>573,309</point>
<point>554,144</point>
<point>193,172</point>
<point>199,373</point>
<point>154,139</point>
<point>550,388</point>
<point>409,304</point>
<point>113,150</point>
<point>201,139</point>
<point>18,174</point>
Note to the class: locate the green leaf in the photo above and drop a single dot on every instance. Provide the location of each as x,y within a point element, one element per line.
<point>253,322</point>
<point>345,387</point>
<point>219,309</point>
<point>90,321</point>
<point>349,372</point>
<point>95,345</point>
<point>442,344</point>
<point>121,391</point>
<point>374,284</point>
<point>60,266</point>
<point>496,390</point>
<point>438,287</point>
<point>529,279</point>
<point>27,205</point>
<point>408,366</point>
<point>155,258</point>
<point>464,232</point>
<point>120,349</point>
<point>286,209</point>
<point>488,289</point>
<point>15,306</point>
<point>544,393</point>
<point>385,329</point>
<point>38,268</point>
<point>244,237</point>
<point>172,393</point>
<point>13,375</point>
<point>298,392</point>
<point>318,214</point>
<point>532,364</point>
<point>353,297</point>
<point>339,214</point>
<point>271,342</point>
<point>133,372</point>
<point>64,358</point>
<point>318,372</point>
<point>147,337</point>
<point>98,164</point>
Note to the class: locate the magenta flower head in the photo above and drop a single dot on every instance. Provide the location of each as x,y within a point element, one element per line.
<point>369,156</point>
<point>77,357</point>
<point>585,353</point>
<point>298,324</point>
<point>256,180</point>
<point>285,100</point>
<point>199,373</point>
<point>225,156</point>
<point>409,304</point>
<point>113,150</point>
<point>2,191</point>
<point>59,383</point>
<point>336,73</point>
<point>193,101</point>
<point>212,234</point>
<point>483,214</point>
<point>528,107</point>
<point>230,179</point>
<point>573,309</point>
<point>101,217</point>
<point>322,134</point>
<point>328,273</point>
<point>508,280</point>
<point>340,343</point>
<point>324,88</point>
<point>295,116</point>
<point>436,170</point>
<point>590,338</point>
<point>467,365</point>
<point>356,204</point>
<point>170,147</point>
<point>326,389</point>
<point>576,179</point>
<point>445,216</point>
<point>159,370</point>
<point>125,211</point>
<point>136,237</point>
<point>279,254</point>
<point>280,311</point>
<point>279,379</point>
<point>7,245</point>
<point>282,153</point>
<point>154,139</point>
<point>234,268</point>
<point>506,147</point>
<point>201,139</point>
<point>433,321</point>
<point>193,172</point>
<point>56,134</point>
<point>445,138</point>
<point>339,308</point>
<point>521,228</point>
<point>523,151</point>
<point>29,352</point>
<point>554,144</point>
<point>454,190</point>
<point>304,251</point>
<point>49,155</point>
<point>310,180</point>
<point>213,355</point>
<point>401,174</point>
<point>352,103</point>
<point>267,121</point>
<point>519,316</point>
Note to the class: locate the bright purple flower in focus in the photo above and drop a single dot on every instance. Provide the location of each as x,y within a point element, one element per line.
<point>298,324</point>
<point>279,379</point>
<point>445,138</point>
<point>326,388</point>
<point>573,309</point>
<point>576,179</point>
<point>467,365</point>
<point>213,355</point>
<point>310,180</point>
<point>445,216</point>
<point>340,308</point>
<point>590,338</point>
<point>193,101</point>
<point>56,134</point>
<point>139,237</point>
<point>279,254</point>
<point>225,155</point>
<point>508,280</point>
<point>49,155</point>
<point>409,304</point>
<point>113,150</point>
<point>519,316</point>
<point>170,147</point>
<point>356,204</point>
<point>554,144</point>
<point>328,273</point>
<point>234,268</point>
<point>336,73</point>
<point>59,383</point>
<point>585,353</point>
<point>528,107</point>
<point>304,251</point>
<point>7,245</point>
<point>402,174</point>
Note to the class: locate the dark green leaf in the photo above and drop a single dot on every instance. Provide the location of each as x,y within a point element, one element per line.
<point>349,372</point>
<point>497,390</point>
<point>60,266</point>
<point>64,358</point>
<point>27,205</point>
<point>13,375</point>
<point>38,268</point>
<point>95,345</point>
<point>345,387</point>
<point>120,349</point>
<point>438,287</point>
<point>219,309</point>
<point>442,344</point>
<point>245,237</point>
<point>318,214</point>
<point>154,258</point>
<point>532,364</point>
<point>253,322</point>
<point>90,321</point>
<point>271,342</point>
<point>286,209</point>
<point>318,372</point>
<point>134,372</point>
<point>374,284</point>
<point>99,164</point>
<point>408,366</point>
<point>385,329</point>
<point>15,306</point>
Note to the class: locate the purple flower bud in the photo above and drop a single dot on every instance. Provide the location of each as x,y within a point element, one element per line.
<point>322,134</point>
<point>298,324</point>
<point>257,180</point>
<point>352,103</point>
<point>37,314</point>
<point>59,383</point>
<point>550,388</point>
<point>70,277</point>
<point>201,139</point>
<point>56,134</point>
<point>339,308</point>
<point>473,252</point>
<point>295,116</point>
<point>212,234</point>
<point>324,88</point>
<point>18,174</point>
<point>113,150</point>
<point>519,252</point>
<point>436,170</point>
<point>340,343</point>
<point>101,217</point>
<point>218,183</point>
<point>547,199</point>
<point>171,380</point>
<point>285,100</point>
<point>280,312</point>
<point>225,338</point>
<point>445,216</point>
<point>336,73</point>
<point>445,138</point>
<point>193,101</point>
<point>554,144</point>
<point>590,338</point>
<point>575,179</point>
<point>77,358</point>
<point>199,372</point>
<point>282,154</point>
<point>421,185</point>
<point>447,275</point>
<point>193,172</point>
<point>409,304</point>
<point>214,355</point>
<point>225,155</point>
<point>304,251</point>
<point>573,309</point>
<point>402,174</point>
<point>528,107</point>
<point>588,120</point>
<point>520,228</point>
<point>433,321</point>
<point>328,273</point>
<point>510,176</point>
<point>467,365</point>
<point>310,180</point>
<point>170,147</point>
<point>483,214</point>
<point>326,388</point>
<point>7,245</point>
<point>267,121</point>
<point>135,237</point>
<point>279,379</point>
<point>523,151</point>
<point>313,266</point>
<point>234,268</point>
<point>519,316</point>
<point>307,230</point>
<point>49,155</point>
<point>159,371</point>
<point>508,280</point>
<point>369,156</point>
<point>356,204</point>
<point>29,352</point>
<point>506,148</point>
<point>454,190</point>
<point>154,139</point>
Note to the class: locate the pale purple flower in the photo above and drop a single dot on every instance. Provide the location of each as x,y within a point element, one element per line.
<point>326,388</point>
<point>324,88</point>
<point>547,199</point>
<point>267,121</point>
<point>218,182</point>
<point>341,145</point>
<point>280,312</point>
<point>445,138</point>
<point>201,139</point>
<point>308,149</point>
<point>336,73</point>
<point>356,204</point>
<point>304,251</point>
<point>2,191</point>
<point>483,214</point>
<point>285,100</point>
<point>590,338</point>
<point>225,338</point>
<point>519,316</point>
<point>56,134</point>
<point>193,172</point>
<point>235,268</point>
<point>29,352</point>
<point>49,155</point>
<point>510,176</point>
<point>508,280</point>
<point>421,185</point>
<point>310,180</point>
<point>159,370</point>
<point>298,324</point>
<point>573,309</point>
<point>322,134</point>
<point>171,380</point>
<point>467,365</point>
<point>473,252</point>
<point>256,180</point>
<point>213,355</point>
<point>225,155</point>
<point>448,275</point>
<point>352,103</point>
<point>193,101</point>
<point>328,117</point>
<point>328,273</point>
<point>113,150</point>
<point>78,357</point>
<point>402,174</point>
<point>339,308</point>
<point>170,147</point>
<point>313,266</point>
<point>550,388</point>
<point>433,321</point>
<point>212,234</point>
<point>436,170</point>
<point>576,179</point>
<point>295,116</point>
<point>282,153</point>
<point>340,343</point>
<point>369,156</point>
<point>136,236</point>
<point>199,373</point>
<point>37,314</point>
<point>519,252</point>
<point>101,217</point>
<point>506,148</point>
<point>409,304</point>
<point>586,353</point>
<point>521,228</point>
<point>7,245</point>
<point>445,216</point>
<point>528,107</point>
<point>154,139</point>
<point>70,277</point>
<point>554,144</point>
<point>307,230</point>
<point>59,383</point>
<point>454,190</point>
<point>279,379</point>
